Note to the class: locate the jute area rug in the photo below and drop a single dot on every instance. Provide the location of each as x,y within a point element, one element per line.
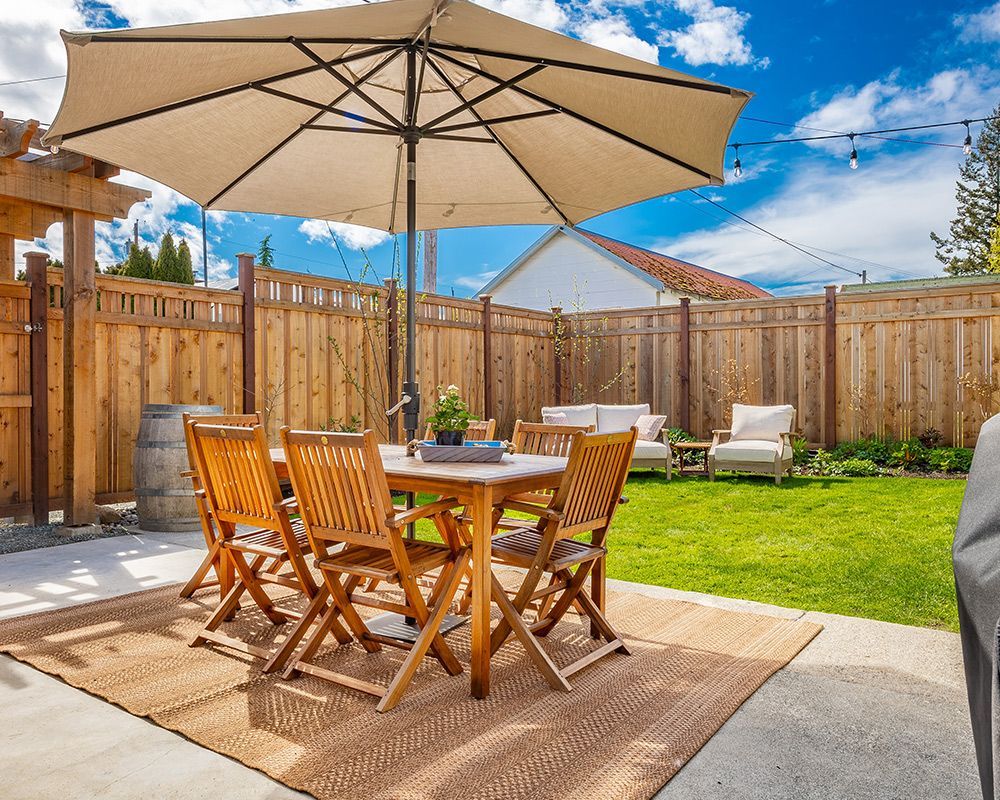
<point>629,724</point>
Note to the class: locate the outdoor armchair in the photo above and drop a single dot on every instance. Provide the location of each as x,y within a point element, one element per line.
<point>758,441</point>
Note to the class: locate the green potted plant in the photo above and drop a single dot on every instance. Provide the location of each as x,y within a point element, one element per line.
<point>451,417</point>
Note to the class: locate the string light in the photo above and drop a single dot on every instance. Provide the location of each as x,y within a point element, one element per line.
<point>967,144</point>
<point>854,153</point>
<point>737,166</point>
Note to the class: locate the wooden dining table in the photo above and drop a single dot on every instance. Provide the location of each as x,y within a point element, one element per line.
<point>481,487</point>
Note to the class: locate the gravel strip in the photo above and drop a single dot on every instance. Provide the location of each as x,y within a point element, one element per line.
<point>15,537</point>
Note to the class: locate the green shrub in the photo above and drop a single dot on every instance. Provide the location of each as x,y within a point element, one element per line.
<point>800,450</point>
<point>910,455</point>
<point>870,448</point>
<point>855,468</point>
<point>680,435</point>
<point>950,459</point>
<point>931,437</point>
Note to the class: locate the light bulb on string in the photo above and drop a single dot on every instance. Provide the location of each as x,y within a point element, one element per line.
<point>854,153</point>
<point>737,166</point>
<point>967,144</point>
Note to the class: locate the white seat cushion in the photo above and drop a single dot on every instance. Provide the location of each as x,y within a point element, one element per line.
<point>649,450</point>
<point>611,419</point>
<point>749,450</point>
<point>575,415</point>
<point>761,422</point>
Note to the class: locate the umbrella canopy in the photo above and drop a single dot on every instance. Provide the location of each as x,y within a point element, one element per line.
<point>517,125</point>
<point>320,113</point>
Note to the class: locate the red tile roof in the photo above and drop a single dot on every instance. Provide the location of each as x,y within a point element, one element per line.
<point>679,275</point>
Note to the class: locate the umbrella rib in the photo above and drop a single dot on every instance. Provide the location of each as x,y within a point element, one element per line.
<point>583,118</point>
<point>468,104</point>
<point>546,112</point>
<point>242,87</point>
<point>714,88</point>
<point>351,86</point>
<point>366,77</point>
<point>524,171</point>
<point>105,38</point>
<point>324,107</point>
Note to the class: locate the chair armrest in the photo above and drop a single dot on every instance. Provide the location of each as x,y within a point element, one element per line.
<point>289,504</point>
<point>422,512</point>
<point>717,436</point>
<point>529,508</point>
<point>189,473</point>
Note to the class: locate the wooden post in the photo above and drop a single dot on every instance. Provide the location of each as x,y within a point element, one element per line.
<point>38,278</point>
<point>392,354</point>
<point>79,369</point>
<point>7,269</point>
<point>684,368</point>
<point>830,369</point>
<point>430,262</point>
<point>246,286</point>
<point>487,356</point>
<point>558,322</point>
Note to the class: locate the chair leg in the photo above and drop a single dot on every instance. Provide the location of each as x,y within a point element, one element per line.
<point>210,560</point>
<point>598,619</point>
<point>428,633</point>
<point>346,608</point>
<point>598,593</point>
<point>561,606</point>
<point>224,610</point>
<point>281,655</point>
<point>711,469</point>
<point>516,624</point>
<point>777,473</point>
<point>248,576</point>
<point>524,594</point>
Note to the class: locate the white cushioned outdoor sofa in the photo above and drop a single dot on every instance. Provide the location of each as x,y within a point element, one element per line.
<point>608,419</point>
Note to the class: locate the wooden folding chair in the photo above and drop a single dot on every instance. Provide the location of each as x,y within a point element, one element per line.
<point>241,488</point>
<point>479,430</point>
<point>215,559</point>
<point>585,502</point>
<point>344,499</point>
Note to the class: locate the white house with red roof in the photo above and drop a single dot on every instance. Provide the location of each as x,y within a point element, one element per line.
<point>573,268</point>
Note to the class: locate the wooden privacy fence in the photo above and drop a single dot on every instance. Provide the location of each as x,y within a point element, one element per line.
<point>313,352</point>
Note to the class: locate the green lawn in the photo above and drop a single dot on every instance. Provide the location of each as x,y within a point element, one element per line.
<point>869,547</point>
<point>866,547</point>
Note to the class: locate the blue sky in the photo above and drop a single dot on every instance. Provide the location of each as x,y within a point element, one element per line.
<point>827,64</point>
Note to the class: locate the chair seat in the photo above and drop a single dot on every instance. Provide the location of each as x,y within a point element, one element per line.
<point>755,450</point>
<point>269,543</point>
<point>376,562</point>
<point>520,547</point>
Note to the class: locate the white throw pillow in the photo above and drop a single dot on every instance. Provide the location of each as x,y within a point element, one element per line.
<point>555,418</point>
<point>619,418</point>
<point>761,422</point>
<point>649,426</point>
<point>575,415</point>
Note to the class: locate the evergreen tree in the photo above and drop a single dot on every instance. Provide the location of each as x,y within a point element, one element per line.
<point>966,250</point>
<point>995,248</point>
<point>184,259</point>
<point>167,266</point>
<point>265,254</point>
<point>139,263</point>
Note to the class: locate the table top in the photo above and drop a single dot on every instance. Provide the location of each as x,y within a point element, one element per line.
<point>691,445</point>
<point>512,468</point>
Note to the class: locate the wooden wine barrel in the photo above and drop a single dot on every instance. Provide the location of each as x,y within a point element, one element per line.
<point>164,500</point>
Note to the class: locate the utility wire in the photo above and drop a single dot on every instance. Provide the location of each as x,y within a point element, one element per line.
<point>774,235</point>
<point>872,134</point>
<point>30,80</point>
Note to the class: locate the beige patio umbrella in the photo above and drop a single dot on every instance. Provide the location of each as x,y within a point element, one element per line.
<point>326,114</point>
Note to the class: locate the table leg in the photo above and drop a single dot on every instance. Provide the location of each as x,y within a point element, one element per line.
<point>482,523</point>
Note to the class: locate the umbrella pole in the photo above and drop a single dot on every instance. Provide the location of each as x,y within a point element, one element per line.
<point>411,414</point>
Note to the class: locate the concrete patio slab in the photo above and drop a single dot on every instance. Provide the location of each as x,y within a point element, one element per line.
<point>867,710</point>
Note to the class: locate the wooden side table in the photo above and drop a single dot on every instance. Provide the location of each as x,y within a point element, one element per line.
<point>682,448</point>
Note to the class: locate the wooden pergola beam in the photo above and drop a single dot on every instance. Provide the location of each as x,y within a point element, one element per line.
<point>25,182</point>
<point>16,136</point>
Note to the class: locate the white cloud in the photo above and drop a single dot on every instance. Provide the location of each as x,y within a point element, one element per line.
<point>476,282</point>
<point>615,33</point>
<point>543,13</point>
<point>882,213</point>
<point>983,26</point>
<point>885,103</point>
<point>715,35</point>
<point>354,237</point>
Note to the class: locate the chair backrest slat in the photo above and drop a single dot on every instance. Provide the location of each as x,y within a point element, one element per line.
<point>593,481</point>
<point>340,486</point>
<point>479,430</point>
<point>236,472</point>
<point>232,420</point>
<point>541,439</point>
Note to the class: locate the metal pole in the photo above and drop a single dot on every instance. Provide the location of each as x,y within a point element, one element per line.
<point>411,414</point>
<point>204,247</point>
